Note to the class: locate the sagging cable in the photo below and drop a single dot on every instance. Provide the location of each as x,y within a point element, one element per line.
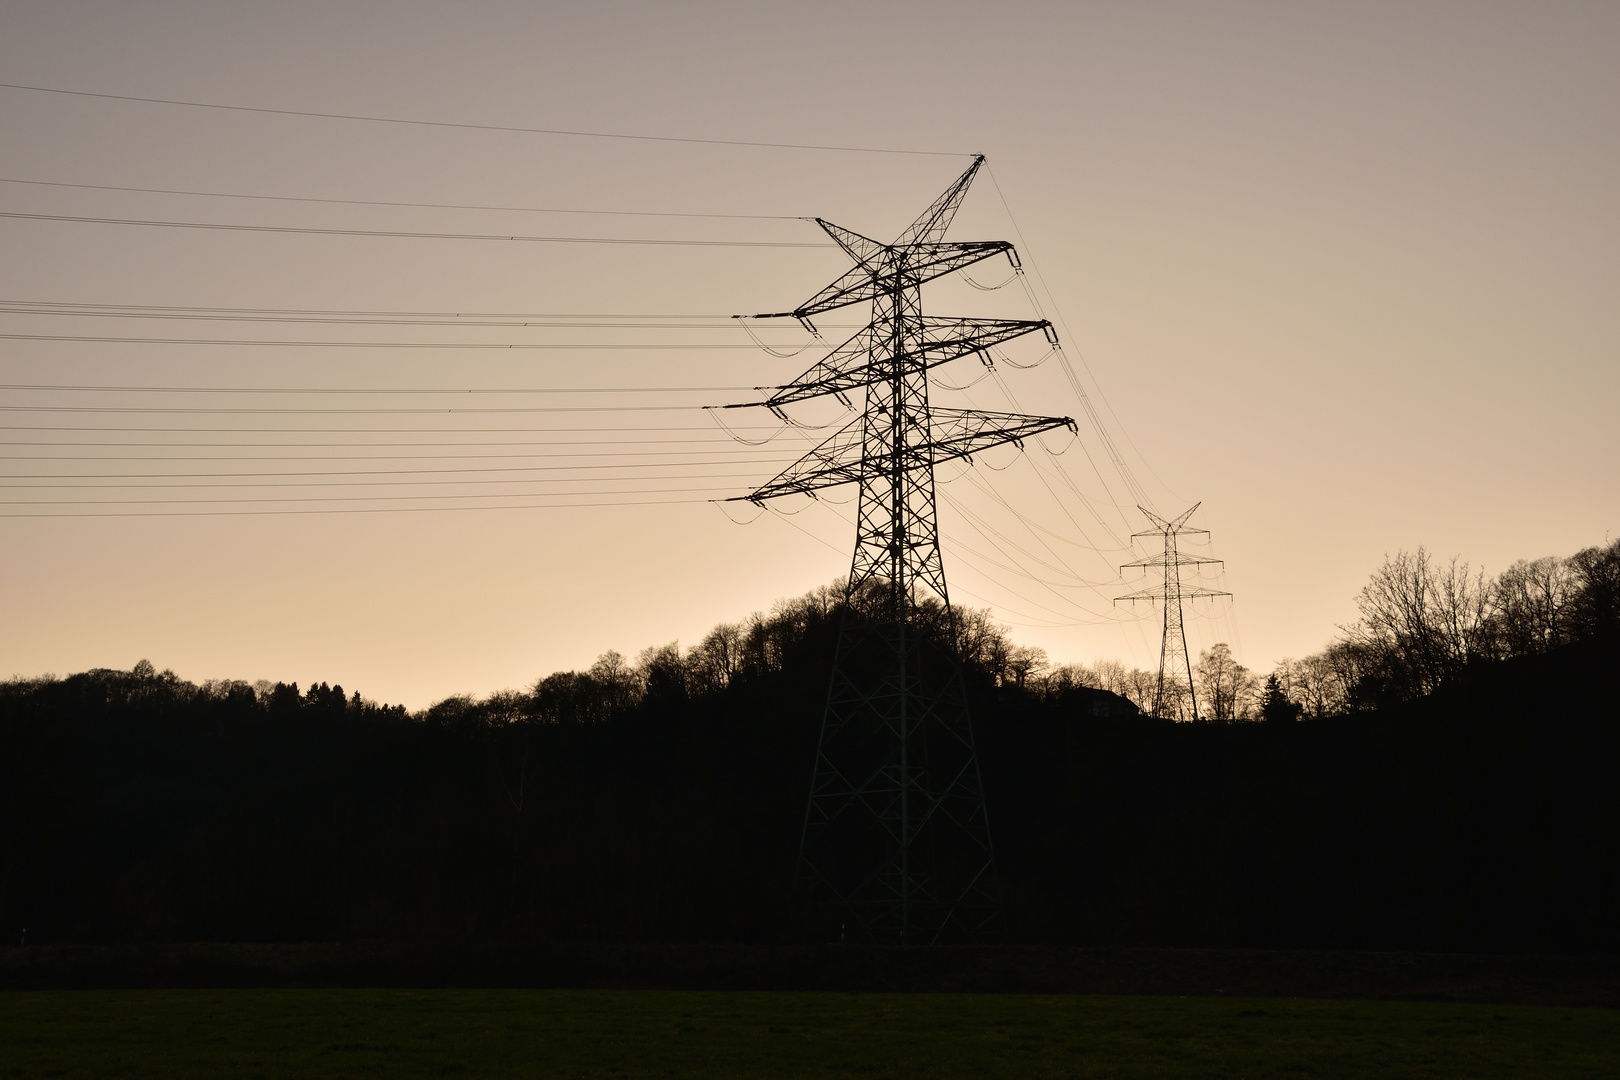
<point>749,330</point>
<point>714,414</point>
<point>723,504</point>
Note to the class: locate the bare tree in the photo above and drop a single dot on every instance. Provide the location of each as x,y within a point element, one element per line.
<point>1229,691</point>
<point>661,672</point>
<point>1421,622</point>
<point>505,707</point>
<point>718,659</point>
<point>1061,678</point>
<point>1531,605</point>
<point>1024,662</point>
<point>1111,675</point>
<point>619,682</point>
<point>1596,610</point>
<point>981,643</point>
<point>1140,688</point>
<point>1316,683</point>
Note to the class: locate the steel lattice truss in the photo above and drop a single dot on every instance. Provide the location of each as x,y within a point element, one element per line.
<point>1168,701</point>
<point>896,840</point>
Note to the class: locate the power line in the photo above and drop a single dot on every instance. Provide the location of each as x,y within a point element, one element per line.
<point>293,343</point>
<point>381,472</point>
<point>178,315</point>
<point>370,431</point>
<point>284,445</point>
<point>368,446</point>
<point>413,205</point>
<point>1119,462</point>
<point>729,455</point>
<point>480,127</point>
<point>370,484</point>
<point>1007,392</point>
<point>326,498</point>
<point>312,231</point>
<point>54,387</point>
<point>339,311</point>
<point>346,412</point>
<point>1036,620</point>
<point>367,509</point>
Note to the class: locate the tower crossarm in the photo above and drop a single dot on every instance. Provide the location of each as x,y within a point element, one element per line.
<point>960,433</point>
<point>836,461</point>
<point>867,252</point>
<point>1176,558</point>
<point>956,433</point>
<point>1170,532</point>
<point>1184,592</point>
<point>856,362</point>
<point>1168,526</point>
<point>911,266</point>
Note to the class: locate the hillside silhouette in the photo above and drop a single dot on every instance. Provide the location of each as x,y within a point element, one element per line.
<point>660,800</point>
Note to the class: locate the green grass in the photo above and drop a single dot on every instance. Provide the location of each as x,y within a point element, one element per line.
<point>176,1034</point>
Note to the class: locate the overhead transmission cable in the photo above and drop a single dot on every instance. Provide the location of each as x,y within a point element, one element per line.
<point>727,455</point>
<point>356,484</point>
<point>267,411</point>
<point>573,133</point>
<point>328,498</point>
<point>365,431</point>
<point>306,230</point>
<point>1123,467</point>
<point>543,322</point>
<point>399,204</point>
<point>467,470</point>
<point>614,318</point>
<point>363,509</point>
<point>55,387</point>
<point>295,343</point>
<point>958,589</point>
<point>1012,400</point>
<point>981,528</point>
<point>461,470</point>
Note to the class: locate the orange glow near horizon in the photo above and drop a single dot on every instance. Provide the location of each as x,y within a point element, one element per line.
<point>1345,276</point>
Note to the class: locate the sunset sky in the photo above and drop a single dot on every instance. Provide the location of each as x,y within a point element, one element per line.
<point>1346,274</point>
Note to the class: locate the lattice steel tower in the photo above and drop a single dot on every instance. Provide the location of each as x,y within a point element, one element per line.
<point>1168,701</point>
<point>896,840</point>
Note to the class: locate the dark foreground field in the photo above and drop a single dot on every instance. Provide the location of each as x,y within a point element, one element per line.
<point>633,1033</point>
<point>1503,979</point>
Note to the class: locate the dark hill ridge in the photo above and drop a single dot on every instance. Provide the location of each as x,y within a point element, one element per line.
<point>139,808</point>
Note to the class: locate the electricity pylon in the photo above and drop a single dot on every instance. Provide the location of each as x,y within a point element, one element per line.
<point>1173,658</point>
<point>896,840</point>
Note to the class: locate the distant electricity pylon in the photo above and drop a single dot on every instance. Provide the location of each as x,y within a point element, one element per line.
<point>896,839</point>
<point>1173,658</point>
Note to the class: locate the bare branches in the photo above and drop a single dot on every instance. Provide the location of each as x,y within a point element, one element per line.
<point>1424,622</point>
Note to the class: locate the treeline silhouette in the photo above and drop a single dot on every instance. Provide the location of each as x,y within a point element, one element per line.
<point>1444,801</point>
<point>1425,623</point>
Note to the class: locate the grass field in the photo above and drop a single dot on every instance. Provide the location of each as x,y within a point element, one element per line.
<point>612,1033</point>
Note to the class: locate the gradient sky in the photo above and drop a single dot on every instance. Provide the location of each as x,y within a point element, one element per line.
<point>1344,273</point>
